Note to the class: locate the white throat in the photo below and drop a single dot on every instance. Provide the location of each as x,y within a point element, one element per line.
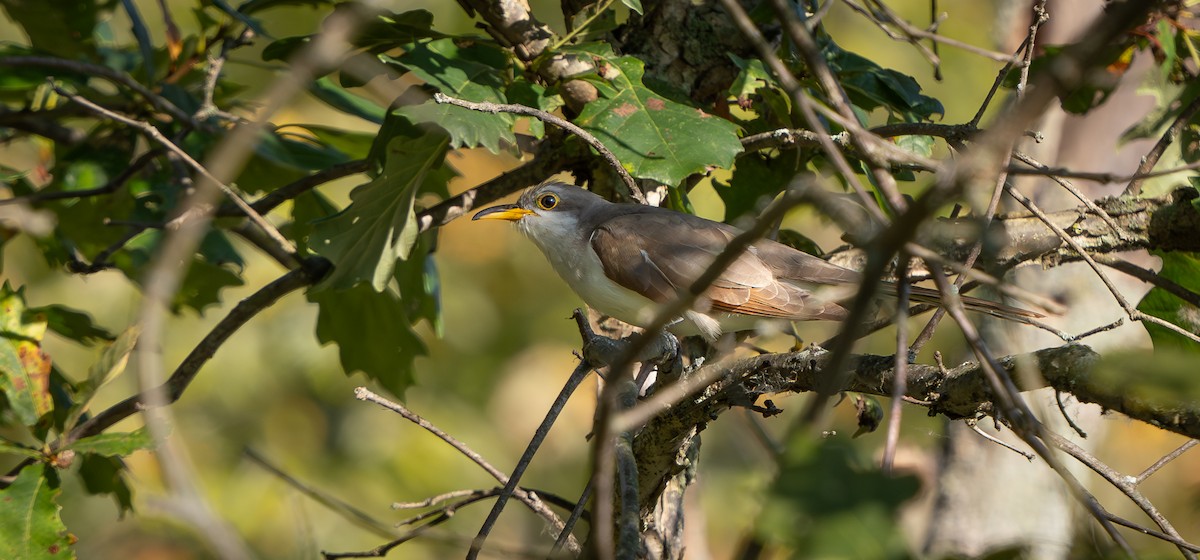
<point>557,235</point>
<point>572,256</point>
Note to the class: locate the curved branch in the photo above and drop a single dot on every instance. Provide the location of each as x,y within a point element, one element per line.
<point>960,392</point>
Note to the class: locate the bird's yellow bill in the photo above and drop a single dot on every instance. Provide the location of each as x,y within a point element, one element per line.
<point>507,212</point>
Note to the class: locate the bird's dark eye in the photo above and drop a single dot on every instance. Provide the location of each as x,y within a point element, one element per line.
<point>547,202</point>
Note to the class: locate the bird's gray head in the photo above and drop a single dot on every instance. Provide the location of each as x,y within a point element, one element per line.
<point>549,213</point>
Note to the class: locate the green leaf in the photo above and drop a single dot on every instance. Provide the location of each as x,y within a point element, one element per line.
<point>389,30</point>
<point>72,324</point>
<point>828,501</point>
<point>756,180</point>
<point>354,145</point>
<point>117,444</point>
<point>32,528</point>
<point>1097,86</point>
<point>64,31</point>
<point>917,144</point>
<point>297,153</point>
<point>420,286</point>
<point>106,475</point>
<point>283,49</point>
<point>202,286</point>
<point>18,449</point>
<point>467,128</point>
<point>635,5</point>
<point>24,367</point>
<point>373,334</point>
<point>307,208</point>
<point>533,95</point>
<point>871,86</point>
<point>111,364</point>
<point>1183,269</point>
<point>475,73</point>
<point>113,360</point>
<point>337,97</point>
<point>654,137</point>
<point>799,242</point>
<point>753,77</point>
<point>385,32</point>
<point>379,226</point>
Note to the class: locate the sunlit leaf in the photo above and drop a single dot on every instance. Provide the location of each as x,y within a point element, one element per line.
<point>655,138</point>
<point>474,73</point>
<point>113,359</point>
<point>114,444</point>
<point>365,240</point>
<point>24,367</point>
<point>1183,269</point>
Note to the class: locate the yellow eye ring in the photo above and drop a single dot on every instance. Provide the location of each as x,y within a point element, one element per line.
<point>547,201</point>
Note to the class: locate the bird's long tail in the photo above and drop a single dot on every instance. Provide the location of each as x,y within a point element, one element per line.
<point>934,297</point>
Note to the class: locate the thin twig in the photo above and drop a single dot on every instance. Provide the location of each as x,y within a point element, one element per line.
<point>154,134</point>
<point>342,508</point>
<point>1125,484</point>
<point>543,430</point>
<point>1150,277</point>
<point>1017,412</point>
<point>975,428</point>
<point>790,84</point>
<point>1134,188</point>
<point>107,188</point>
<point>302,185</point>
<point>1062,409</point>
<point>576,514</point>
<point>187,370</point>
<point>1078,194</point>
<point>1102,177</point>
<point>914,33</point>
<point>528,498</point>
<point>867,144</point>
<point>120,78</point>
<point>1132,312</point>
<point>630,183</point>
<point>1164,460</point>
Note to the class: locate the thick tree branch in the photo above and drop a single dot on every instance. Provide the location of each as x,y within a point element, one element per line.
<point>959,392</point>
<point>1168,223</point>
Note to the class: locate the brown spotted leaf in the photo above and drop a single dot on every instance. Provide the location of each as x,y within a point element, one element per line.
<point>654,137</point>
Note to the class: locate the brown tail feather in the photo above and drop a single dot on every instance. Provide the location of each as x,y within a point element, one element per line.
<point>931,296</point>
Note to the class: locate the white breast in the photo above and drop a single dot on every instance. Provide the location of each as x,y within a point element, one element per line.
<point>574,260</point>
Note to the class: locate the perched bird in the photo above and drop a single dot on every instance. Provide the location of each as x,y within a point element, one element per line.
<point>625,260</point>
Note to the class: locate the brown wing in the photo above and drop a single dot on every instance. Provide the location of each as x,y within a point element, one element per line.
<point>659,253</point>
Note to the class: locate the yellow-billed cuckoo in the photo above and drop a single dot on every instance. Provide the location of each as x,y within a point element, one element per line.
<point>626,259</point>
